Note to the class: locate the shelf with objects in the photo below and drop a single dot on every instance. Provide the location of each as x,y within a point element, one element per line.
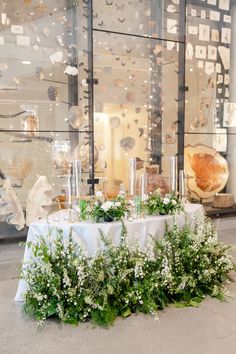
<point>209,107</point>
<point>93,90</point>
<point>44,123</point>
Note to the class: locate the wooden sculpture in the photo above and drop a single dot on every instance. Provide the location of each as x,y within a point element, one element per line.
<point>207,170</point>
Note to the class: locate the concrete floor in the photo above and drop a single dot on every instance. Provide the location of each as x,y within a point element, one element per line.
<point>209,329</point>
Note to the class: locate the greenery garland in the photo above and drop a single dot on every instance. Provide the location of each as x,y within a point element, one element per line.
<point>98,209</point>
<point>182,268</point>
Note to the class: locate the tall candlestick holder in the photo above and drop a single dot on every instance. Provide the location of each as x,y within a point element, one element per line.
<point>173,174</point>
<point>69,197</point>
<point>143,193</point>
<point>76,187</point>
<point>182,184</point>
<point>132,176</point>
<point>143,187</point>
<point>76,178</point>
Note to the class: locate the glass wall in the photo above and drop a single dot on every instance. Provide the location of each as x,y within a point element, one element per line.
<point>209,105</point>
<point>105,81</point>
<point>136,100</point>
<point>43,107</point>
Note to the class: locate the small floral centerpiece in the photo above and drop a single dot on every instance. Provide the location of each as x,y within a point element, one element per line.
<point>108,210</point>
<point>171,203</point>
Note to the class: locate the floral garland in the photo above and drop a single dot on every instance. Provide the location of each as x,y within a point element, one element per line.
<point>181,269</point>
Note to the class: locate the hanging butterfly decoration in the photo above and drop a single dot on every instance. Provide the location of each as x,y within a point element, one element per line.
<point>121,20</point>
<point>141,131</point>
<point>109,3</point>
<point>101,24</point>
<point>120,7</point>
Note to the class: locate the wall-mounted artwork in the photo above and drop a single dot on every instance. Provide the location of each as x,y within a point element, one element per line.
<point>211,2</point>
<point>224,5</point>
<point>215,36</point>
<point>220,140</point>
<point>215,15</point>
<point>225,56</point>
<point>193,30</point>
<point>204,33</point>
<point>229,118</point>
<point>226,35</point>
<point>212,52</point>
<point>171,26</point>
<point>209,67</point>
<point>227,18</point>
<point>200,52</point>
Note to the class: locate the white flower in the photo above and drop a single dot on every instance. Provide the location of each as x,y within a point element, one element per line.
<point>166,200</point>
<point>117,204</point>
<point>174,202</point>
<point>107,205</point>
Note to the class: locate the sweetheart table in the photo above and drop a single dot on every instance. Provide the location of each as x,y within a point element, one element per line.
<point>87,234</point>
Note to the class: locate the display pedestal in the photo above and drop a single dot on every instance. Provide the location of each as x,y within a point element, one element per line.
<point>216,212</point>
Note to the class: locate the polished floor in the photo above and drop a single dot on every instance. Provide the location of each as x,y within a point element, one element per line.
<point>209,329</point>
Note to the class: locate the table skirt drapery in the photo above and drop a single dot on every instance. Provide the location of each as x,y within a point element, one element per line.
<point>87,234</point>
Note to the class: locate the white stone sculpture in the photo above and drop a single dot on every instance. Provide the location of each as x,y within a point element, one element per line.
<point>10,207</point>
<point>39,200</point>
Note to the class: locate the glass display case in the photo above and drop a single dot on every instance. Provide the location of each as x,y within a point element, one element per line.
<point>209,105</point>
<point>43,105</point>
<point>103,82</point>
<point>137,48</point>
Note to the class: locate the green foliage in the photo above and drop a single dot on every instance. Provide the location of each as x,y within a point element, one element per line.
<point>83,205</point>
<point>99,210</point>
<point>171,203</point>
<point>180,269</point>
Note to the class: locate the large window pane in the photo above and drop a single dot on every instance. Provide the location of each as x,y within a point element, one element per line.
<point>136,103</point>
<point>152,18</point>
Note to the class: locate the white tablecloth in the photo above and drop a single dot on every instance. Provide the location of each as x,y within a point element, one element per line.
<point>88,235</point>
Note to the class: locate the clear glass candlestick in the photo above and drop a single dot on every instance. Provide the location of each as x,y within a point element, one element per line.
<point>143,186</point>
<point>132,176</point>
<point>122,192</point>
<point>173,174</point>
<point>76,178</point>
<point>182,184</point>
